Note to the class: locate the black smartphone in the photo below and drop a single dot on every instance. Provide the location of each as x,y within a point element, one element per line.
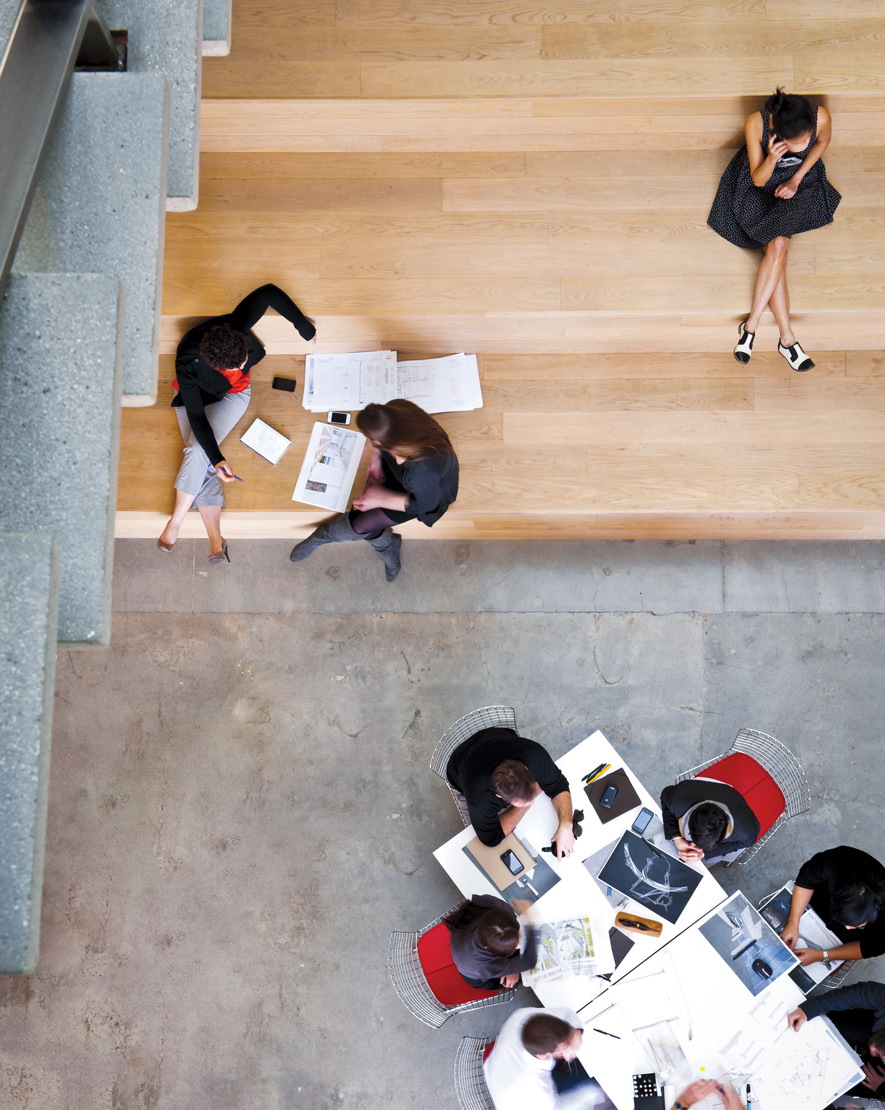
<point>642,820</point>
<point>287,384</point>
<point>512,862</point>
<point>608,797</point>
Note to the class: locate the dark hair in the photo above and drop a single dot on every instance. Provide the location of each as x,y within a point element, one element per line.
<point>855,904</point>
<point>224,348</point>
<point>544,1033</point>
<point>513,781</point>
<point>403,428</point>
<point>707,826</point>
<point>494,927</point>
<point>791,115</point>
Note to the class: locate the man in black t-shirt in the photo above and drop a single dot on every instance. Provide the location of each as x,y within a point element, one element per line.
<point>500,774</point>
<point>846,889</point>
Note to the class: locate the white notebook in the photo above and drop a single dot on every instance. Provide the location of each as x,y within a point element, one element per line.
<point>266,441</point>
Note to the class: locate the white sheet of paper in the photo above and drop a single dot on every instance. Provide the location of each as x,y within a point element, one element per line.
<point>349,381</point>
<point>447,384</point>
<point>266,441</point>
<point>329,468</point>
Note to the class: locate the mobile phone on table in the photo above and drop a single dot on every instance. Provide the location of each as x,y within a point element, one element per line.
<point>642,820</point>
<point>512,862</point>
<point>286,384</point>
<point>608,796</point>
<point>339,417</point>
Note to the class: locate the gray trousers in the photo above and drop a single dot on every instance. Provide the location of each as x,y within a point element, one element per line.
<point>197,475</point>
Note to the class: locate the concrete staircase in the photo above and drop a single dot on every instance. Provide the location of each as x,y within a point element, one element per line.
<point>79,334</point>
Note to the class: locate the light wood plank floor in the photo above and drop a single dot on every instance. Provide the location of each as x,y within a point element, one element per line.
<point>562,238</point>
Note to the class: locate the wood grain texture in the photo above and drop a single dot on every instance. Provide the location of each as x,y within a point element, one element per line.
<point>531,181</point>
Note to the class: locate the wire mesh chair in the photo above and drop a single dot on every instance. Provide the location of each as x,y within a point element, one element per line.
<point>470,1079</point>
<point>490,716</point>
<point>780,763</point>
<point>410,982</point>
<point>835,978</point>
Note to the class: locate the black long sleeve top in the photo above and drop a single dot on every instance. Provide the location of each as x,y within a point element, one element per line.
<point>431,483</point>
<point>200,384</point>
<point>825,873</point>
<point>470,770</point>
<point>677,800</point>
<point>476,962</point>
<point>859,996</point>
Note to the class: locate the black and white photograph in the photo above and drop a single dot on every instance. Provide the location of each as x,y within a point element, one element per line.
<point>660,882</point>
<point>747,944</point>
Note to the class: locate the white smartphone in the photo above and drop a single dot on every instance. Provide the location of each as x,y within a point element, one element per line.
<point>339,417</point>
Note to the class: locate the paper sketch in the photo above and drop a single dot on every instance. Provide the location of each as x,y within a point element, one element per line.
<point>808,1068</point>
<point>650,876</point>
<point>747,945</point>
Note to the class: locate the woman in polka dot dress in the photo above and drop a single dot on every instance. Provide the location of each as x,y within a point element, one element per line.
<point>776,187</point>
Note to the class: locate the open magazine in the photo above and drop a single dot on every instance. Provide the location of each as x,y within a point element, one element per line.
<point>568,948</point>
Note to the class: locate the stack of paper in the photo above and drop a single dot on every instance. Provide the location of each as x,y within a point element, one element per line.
<point>352,381</point>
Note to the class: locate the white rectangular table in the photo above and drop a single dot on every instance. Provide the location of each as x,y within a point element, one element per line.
<point>578,894</point>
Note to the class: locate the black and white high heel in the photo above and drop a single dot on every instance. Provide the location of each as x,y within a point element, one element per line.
<point>744,347</point>
<point>796,357</point>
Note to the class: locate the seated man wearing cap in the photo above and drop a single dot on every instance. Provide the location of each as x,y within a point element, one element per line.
<point>707,820</point>
<point>499,774</point>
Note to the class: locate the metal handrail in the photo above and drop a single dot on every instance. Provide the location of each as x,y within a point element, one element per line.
<point>36,67</point>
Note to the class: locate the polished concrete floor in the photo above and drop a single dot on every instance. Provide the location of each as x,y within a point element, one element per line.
<point>241,809</point>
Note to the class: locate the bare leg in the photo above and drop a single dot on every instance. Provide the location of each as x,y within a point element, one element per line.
<point>771,270</point>
<point>183,502</point>
<point>211,517</point>
<point>780,309</point>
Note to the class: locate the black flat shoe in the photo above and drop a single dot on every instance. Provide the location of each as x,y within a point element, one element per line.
<point>796,357</point>
<point>744,347</point>
<point>220,556</point>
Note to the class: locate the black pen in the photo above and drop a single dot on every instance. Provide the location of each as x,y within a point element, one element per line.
<point>605,1033</point>
<point>634,925</point>
<point>593,774</point>
<point>657,851</point>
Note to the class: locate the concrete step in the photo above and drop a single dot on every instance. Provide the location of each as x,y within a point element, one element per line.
<point>166,36</point>
<point>61,343</point>
<point>100,204</point>
<point>28,616</point>
<point>217,18</point>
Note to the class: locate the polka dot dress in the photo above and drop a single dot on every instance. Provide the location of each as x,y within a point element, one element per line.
<point>751,216</point>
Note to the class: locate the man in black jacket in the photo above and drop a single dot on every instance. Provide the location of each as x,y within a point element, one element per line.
<point>212,367</point>
<point>859,1015</point>
<point>499,774</point>
<point>707,820</point>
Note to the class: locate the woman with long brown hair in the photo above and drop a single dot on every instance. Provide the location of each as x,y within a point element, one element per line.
<point>413,475</point>
<point>485,943</point>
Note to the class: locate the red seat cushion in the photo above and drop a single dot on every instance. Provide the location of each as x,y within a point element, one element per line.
<point>486,1052</point>
<point>758,789</point>
<point>443,978</point>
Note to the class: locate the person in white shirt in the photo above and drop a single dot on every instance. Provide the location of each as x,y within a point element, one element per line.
<point>519,1069</point>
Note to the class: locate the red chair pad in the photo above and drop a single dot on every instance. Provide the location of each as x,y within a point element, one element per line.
<point>758,789</point>
<point>443,978</point>
<point>487,1051</point>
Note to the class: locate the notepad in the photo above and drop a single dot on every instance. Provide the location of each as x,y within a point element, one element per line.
<point>266,441</point>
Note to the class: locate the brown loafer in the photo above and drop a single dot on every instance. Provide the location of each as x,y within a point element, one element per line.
<point>163,546</point>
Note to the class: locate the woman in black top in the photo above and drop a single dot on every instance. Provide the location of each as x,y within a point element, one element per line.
<point>846,888</point>
<point>212,367</point>
<point>413,475</point>
<point>485,943</point>
<point>773,188</point>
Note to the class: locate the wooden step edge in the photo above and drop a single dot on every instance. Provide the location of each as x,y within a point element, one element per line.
<point>651,524</point>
